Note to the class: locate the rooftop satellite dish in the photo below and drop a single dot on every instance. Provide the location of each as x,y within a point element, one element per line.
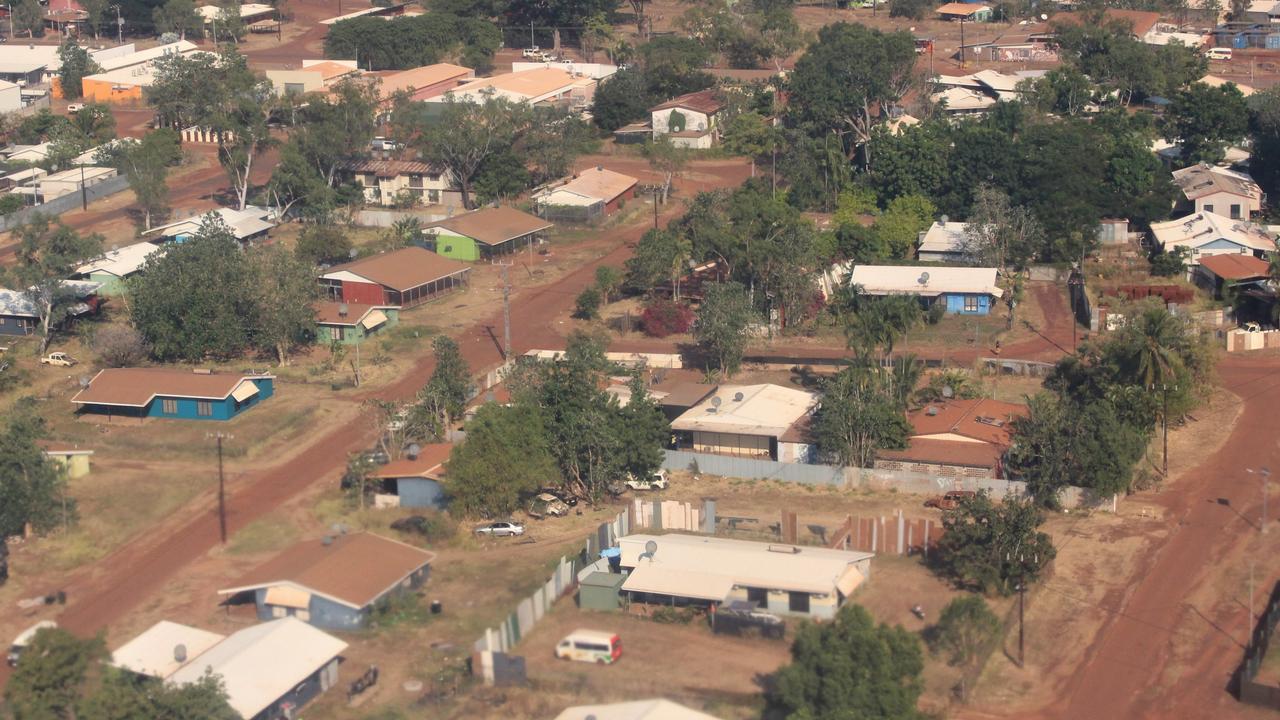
<point>650,547</point>
<point>737,397</point>
<point>84,381</point>
<point>180,653</point>
<point>352,253</point>
<point>923,279</point>
<point>1043,16</point>
<point>715,401</point>
<point>947,392</point>
<point>944,219</point>
<point>343,309</point>
<point>413,451</point>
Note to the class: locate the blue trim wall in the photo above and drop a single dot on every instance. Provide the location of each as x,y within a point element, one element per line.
<point>189,408</point>
<point>16,325</point>
<point>329,615</point>
<point>955,303</point>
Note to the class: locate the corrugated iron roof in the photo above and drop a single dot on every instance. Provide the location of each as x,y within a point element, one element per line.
<point>135,387</point>
<point>493,226</point>
<point>402,269</point>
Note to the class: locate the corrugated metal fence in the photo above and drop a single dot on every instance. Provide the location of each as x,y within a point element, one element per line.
<point>62,204</point>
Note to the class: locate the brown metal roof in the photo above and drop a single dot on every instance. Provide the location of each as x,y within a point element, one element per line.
<point>494,226</point>
<point>353,569</point>
<point>429,464</point>
<point>403,269</point>
<point>329,313</point>
<point>946,452</point>
<point>687,394</point>
<point>392,168</point>
<point>703,101</point>
<point>1236,267</point>
<point>1139,21</point>
<point>983,419</point>
<point>135,387</point>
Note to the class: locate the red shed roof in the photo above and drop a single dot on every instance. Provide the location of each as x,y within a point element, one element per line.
<point>1236,267</point>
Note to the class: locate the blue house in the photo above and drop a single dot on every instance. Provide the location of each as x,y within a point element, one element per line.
<point>414,481</point>
<point>962,290</point>
<point>336,582</point>
<point>138,393</point>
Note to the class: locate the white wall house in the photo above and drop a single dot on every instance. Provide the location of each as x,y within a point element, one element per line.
<point>691,121</point>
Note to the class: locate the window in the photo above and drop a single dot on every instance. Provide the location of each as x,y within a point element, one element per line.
<point>294,89</point>
<point>433,196</point>
<point>758,595</point>
<point>169,407</point>
<point>971,303</point>
<point>204,408</point>
<point>798,602</point>
<point>1235,211</point>
<point>339,334</point>
<point>1208,207</point>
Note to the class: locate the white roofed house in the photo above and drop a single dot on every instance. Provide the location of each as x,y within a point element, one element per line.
<point>963,290</point>
<point>247,225</point>
<point>1205,233</point>
<point>755,421</point>
<point>782,579</point>
<point>944,242</point>
<point>268,670</point>
<point>654,709</point>
<point>1211,189</point>
<point>116,265</point>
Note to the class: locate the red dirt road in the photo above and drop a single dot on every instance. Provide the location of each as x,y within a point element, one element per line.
<point>1131,664</point>
<point>101,594</point>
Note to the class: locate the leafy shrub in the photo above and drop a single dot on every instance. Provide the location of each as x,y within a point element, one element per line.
<point>672,616</point>
<point>663,317</point>
<point>587,306</point>
<point>936,312</point>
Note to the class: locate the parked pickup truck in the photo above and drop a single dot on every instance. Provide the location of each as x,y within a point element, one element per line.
<point>950,500</point>
<point>58,359</point>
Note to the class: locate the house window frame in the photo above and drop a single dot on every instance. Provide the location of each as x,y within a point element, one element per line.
<point>204,408</point>
<point>971,304</point>
<point>169,406</point>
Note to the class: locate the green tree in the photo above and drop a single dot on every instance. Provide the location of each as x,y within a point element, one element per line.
<point>900,225</point>
<point>621,98</point>
<point>51,677</point>
<point>463,136</point>
<point>450,384</point>
<point>76,64</point>
<point>859,415</point>
<point>641,431</point>
<point>506,454</point>
<point>667,159</point>
<point>1264,136</point>
<point>651,263</point>
<point>850,668</point>
<point>47,254</point>
<point>674,66</point>
<point>608,280</point>
<point>283,290</point>
<point>721,327</point>
<point>195,299</point>
<point>121,696</point>
<point>990,547</point>
<point>229,24</point>
<point>323,244</point>
<point>146,164</point>
<point>847,72</point>
<point>95,13</point>
<point>878,322</point>
<point>32,487</point>
<point>964,628</point>
<point>28,17</point>
<point>587,305</point>
<point>178,17</point>
<point>750,134</point>
<point>1204,120</point>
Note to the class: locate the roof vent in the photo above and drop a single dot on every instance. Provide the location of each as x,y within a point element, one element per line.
<point>785,549</point>
<point>987,420</point>
<point>180,653</point>
<point>202,371</point>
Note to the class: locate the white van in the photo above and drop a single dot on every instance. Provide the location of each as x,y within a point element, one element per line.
<point>1218,54</point>
<point>590,646</point>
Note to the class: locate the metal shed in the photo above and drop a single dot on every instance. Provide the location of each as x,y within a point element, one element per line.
<point>601,591</point>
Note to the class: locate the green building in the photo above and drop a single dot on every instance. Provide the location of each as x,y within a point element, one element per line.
<point>483,234</point>
<point>601,591</point>
<point>351,323</point>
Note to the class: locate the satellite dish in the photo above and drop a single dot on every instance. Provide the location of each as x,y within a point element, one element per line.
<point>84,381</point>
<point>352,253</point>
<point>650,548</point>
<point>923,279</point>
<point>944,219</point>
<point>1043,16</point>
<point>737,397</point>
<point>947,392</point>
<point>413,450</point>
<point>180,653</point>
<point>715,401</point>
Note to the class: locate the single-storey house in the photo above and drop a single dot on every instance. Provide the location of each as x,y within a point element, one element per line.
<point>421,82</point>
<point>1212,189</point>
<point>18,315</point>
<point>23,178</point>
<point>388,182</point>
<point>1141,23</point>
<point>249,224</point>
<point>804,581</point>
<point>1215,273</point>
<point>677,398</point>
<point>401,278</point>
<point>126,84</point>
<point>351,323</point>
<point>314,76</point>
<point>536,86</point>
<point>655,709</point>
<point>335,582</point>
<point>167,393</point>
<point>757,421</point>
<point>66,182</point>
<point>971,12</point>
<point>963,290</point>
<point>1205,233</point>
<point>28,153</point>
<point>956,438</point>
<point>484,233</point>
<point>116,265</point>
<point>414,481</point>
<point>269,671</point>
<point>592,194</point>
<point>69,456</point>
<point>944,242</point>
<point>691,120</point>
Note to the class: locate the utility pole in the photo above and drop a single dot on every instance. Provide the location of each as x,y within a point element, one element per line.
<point>84,192</point>
<point>962,42</point>
<point>506,311</point>
<point>222,487</point>
<point>119,26</point>
<point>1022,604</point>
<point>655,208</point>
<point>9,7</point>
<point>1266,490</point>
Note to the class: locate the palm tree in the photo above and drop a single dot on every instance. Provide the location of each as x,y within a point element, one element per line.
<point>1156,356</point>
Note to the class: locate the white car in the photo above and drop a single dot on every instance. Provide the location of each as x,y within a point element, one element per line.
<point>1251,327</point>
<point>58,359</point>
<point>531,52</point>
<point>74,108</point>
<point>505,528</point>
<point>656,481</point>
